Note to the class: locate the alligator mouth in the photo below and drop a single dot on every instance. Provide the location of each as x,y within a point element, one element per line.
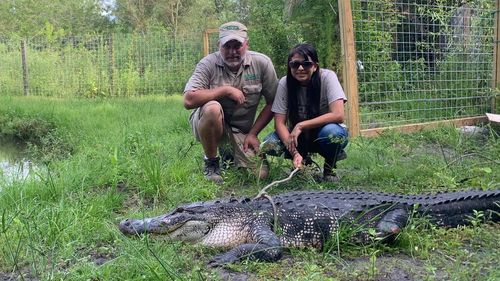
<point>134,227</point>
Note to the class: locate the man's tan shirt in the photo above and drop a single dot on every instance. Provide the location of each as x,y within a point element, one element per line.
<point>255,78</point>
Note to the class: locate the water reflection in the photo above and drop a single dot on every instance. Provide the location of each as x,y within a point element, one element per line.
<point>14,166</point>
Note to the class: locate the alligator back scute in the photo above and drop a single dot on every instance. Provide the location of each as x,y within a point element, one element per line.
<point>453,209</point>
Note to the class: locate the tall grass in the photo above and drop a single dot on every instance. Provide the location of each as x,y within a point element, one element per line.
<point>105,159</point>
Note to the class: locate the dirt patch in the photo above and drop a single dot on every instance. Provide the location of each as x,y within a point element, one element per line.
<point>398,267</point>
<point>98,254</point>
<point>15,276</point>
<point>387,267</point>
<point>229,275</point>
<point>101,255</point>
<point>132,200</point>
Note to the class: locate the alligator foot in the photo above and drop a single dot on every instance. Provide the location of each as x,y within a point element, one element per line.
<point>222,259</point>
<point>392,223</point>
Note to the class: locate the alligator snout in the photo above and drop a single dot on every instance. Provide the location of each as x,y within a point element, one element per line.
<point>128,226</point>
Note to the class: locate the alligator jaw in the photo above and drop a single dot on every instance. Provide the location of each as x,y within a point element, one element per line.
<point>172,226</point>
<point>155,225</point>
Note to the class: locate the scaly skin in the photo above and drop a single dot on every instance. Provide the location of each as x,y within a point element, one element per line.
<point>306,219</point>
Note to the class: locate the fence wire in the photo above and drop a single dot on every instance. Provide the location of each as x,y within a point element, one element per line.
<point>113,65</point>
<point>421,60</point>
<point>418,61</point>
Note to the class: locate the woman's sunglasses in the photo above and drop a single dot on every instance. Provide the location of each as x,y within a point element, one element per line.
<point>305,64</point>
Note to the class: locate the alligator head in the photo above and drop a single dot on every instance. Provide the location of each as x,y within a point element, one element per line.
<point>214,223</point>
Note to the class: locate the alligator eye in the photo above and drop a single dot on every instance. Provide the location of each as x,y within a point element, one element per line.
<point>179,210</point>
<point>207,230</point>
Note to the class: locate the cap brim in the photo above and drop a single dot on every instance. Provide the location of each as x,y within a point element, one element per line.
<point>228,38</point>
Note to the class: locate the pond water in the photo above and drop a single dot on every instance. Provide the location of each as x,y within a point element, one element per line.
<point>14,166</point>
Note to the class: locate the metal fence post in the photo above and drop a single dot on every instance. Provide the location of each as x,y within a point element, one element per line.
<point>111,65</point>
<point>25,68</point>
<point>496,56</point>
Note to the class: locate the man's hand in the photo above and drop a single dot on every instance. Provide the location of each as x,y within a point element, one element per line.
<point>197,98</point>
<point>251,141</point>
<point>235,94</point>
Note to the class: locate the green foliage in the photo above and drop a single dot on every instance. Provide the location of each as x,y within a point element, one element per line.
<point>101,66</point>
<point>136,157</point>
<point>317,23</point>
<point>51,18</point>
<point>421,62</point>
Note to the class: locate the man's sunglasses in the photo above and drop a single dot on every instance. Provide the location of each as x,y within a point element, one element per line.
<point>305,64</point>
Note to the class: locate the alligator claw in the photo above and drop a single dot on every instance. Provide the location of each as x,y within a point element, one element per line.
<point>222,259</point>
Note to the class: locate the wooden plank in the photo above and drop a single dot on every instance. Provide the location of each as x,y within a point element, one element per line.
<point>349,73</point>
<point>425,126</point>
<point>205,43</point>
<point>206,40</point>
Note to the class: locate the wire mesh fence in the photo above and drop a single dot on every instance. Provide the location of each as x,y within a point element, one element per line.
<point>114,65</point>
<point>421,61</point>
<point>417,61</point>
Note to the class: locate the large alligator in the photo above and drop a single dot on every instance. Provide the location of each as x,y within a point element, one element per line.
<point>259,228</point>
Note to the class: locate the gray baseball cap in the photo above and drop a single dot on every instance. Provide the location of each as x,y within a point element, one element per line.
<point>232,31</point>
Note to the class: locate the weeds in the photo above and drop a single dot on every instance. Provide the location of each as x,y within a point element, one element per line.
<point>51,227</point>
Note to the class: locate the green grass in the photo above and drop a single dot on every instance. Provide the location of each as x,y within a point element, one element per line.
<point>107,159</point>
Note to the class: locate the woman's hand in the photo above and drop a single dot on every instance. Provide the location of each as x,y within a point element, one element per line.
<point>297,160</point>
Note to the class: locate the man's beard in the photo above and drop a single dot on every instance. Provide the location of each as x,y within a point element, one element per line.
<point>233,63</point>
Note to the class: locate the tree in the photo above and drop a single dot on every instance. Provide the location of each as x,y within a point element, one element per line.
<point>144,15</point>
<point>319,25</point>
<point>31,17</point>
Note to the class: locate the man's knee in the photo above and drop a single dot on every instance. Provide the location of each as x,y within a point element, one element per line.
<point>209,122</point>
<point>211,111</point>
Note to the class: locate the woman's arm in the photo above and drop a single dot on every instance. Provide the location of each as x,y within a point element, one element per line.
<point>336,115</point>
<point>287,139</point>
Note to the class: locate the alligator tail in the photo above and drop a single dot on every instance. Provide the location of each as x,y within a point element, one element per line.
<point>460,208</point>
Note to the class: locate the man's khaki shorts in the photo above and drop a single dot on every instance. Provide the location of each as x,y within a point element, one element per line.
<point>232,140</point>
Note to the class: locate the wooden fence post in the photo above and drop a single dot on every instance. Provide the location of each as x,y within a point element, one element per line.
<point>24,63</point>
<point>350,76</point>
<point>205,43</point>
<point>206,40</point>
<point>496,56</point>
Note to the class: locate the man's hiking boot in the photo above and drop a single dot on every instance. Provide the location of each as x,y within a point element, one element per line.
<point>212,170</point>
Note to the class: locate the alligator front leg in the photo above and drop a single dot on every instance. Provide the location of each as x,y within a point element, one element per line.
<point>266,248</point>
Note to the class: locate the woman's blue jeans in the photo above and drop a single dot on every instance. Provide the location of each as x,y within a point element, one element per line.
<point>328,142</point>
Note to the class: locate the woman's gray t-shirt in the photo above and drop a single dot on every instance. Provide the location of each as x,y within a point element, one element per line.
<point>331,90</point>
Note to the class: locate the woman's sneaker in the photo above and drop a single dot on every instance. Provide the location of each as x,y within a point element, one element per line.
<point>330,176</point>
<point>342,155</point>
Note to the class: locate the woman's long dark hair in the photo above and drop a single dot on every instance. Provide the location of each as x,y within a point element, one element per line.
<point>307,51</point>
